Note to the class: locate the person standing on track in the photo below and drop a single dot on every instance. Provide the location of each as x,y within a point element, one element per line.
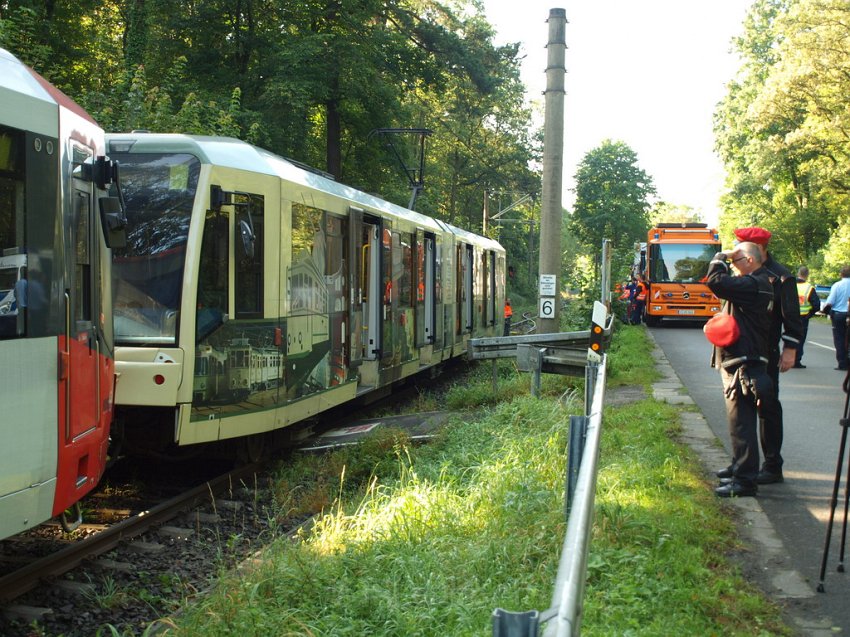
<point>509,312</point>
<point>742,360</point>
<point>809,306</point>
<point>785,328</point>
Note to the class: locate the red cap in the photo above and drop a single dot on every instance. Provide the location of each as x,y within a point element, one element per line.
<point>754,234</point>
<point>722,330</point>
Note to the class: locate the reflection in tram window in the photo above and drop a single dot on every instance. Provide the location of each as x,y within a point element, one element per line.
<point>147,275</point>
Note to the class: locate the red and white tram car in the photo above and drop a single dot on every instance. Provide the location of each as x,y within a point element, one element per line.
<point>56,342</point>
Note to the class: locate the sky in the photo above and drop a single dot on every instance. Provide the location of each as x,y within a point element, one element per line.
<point>645,72</point>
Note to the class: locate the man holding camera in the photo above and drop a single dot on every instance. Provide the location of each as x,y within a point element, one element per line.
<point>742,357</point>
<point>786,330</point>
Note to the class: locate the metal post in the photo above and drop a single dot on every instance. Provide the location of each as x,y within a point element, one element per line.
<point>551,214</point>
<point>578,434</point>
<point>537,369</point>
<point>486,212</point>
<point>605,274</point>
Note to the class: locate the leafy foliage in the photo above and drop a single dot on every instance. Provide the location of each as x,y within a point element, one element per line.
<point>782,129</point>
<point>612,197</point>
<point>309,80</point>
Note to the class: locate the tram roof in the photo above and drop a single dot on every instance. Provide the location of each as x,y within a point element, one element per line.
<point>29,101</point>
<point>234,153</point>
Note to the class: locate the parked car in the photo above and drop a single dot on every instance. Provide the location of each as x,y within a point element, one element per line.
<point>823,291</point>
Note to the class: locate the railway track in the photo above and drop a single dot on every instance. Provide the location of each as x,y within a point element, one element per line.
<point>25,579</point>
<point>170,550</point>
<point>164,553</point>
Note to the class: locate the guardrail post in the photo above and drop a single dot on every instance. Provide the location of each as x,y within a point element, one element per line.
<point>578,434</point>
<point>590,374</point>
<point>536,356</point>
<point>508,624</point>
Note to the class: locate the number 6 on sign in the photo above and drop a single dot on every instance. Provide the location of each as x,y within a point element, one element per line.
<point>547,307</point>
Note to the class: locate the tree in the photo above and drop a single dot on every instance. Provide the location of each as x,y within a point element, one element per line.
<point>663,212</point>
<point>612,198</point>
<point>782,128</point>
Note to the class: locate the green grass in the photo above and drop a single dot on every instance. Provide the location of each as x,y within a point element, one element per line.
<point>429,540</point>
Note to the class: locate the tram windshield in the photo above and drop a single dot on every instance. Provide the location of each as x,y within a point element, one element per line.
<point>147,275</point>
<point>680,262</point>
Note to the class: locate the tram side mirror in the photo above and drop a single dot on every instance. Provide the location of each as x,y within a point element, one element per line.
<point>114,222</point>
<point>248,239</point>
<point>104,171</point>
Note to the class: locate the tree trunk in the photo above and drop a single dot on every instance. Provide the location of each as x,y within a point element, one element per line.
<point>333,157</point>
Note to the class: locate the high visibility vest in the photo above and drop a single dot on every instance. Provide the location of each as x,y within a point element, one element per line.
<point>508,311</point>
<point>804,290</point>
<point>641,292</point>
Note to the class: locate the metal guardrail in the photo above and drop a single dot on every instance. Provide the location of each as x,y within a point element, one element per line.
<point>568,596</point>
<point>563,619</point>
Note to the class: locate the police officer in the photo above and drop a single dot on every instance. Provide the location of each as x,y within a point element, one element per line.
<point>809,306</point>
<point>786,329</point>
<point>742,363</point>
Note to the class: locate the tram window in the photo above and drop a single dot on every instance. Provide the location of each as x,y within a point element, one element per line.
<point>11,191</point>
<point>82,284</point>
<point>147,275</point>
<point>405,298</point>
<point>249,268</point>
<point>212,276</point>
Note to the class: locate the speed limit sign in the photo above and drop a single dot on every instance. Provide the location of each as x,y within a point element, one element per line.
<point>547,307</point>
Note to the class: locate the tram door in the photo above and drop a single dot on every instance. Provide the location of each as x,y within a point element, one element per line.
<point>370,286</point>
<point>425,288</point>
<point>82,298</point>
<point>490,287</point>
<point>466,261</point>
<point>355,334</point>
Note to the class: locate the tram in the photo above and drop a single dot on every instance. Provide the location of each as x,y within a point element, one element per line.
<point>56,341</point>
<point>254,293</point>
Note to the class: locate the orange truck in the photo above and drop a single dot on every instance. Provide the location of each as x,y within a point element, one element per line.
<point>674,262</point>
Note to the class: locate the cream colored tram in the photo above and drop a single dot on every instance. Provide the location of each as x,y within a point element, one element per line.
<point>233,251</point>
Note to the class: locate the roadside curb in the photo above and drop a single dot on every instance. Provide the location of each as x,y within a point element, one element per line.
<point>769,553</point>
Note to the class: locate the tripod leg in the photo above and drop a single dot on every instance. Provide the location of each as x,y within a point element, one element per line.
<point>833,500</point>
<point>840,567</point>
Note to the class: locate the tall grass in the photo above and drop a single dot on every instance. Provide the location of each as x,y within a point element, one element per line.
<point>431,539</point>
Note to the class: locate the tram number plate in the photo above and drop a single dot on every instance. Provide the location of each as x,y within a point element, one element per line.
<point>689,312</point>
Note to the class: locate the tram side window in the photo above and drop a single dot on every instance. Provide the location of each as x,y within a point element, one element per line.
<point>316,258</point>
<point>212,276</point>
<point>249,268</point>
<point>405,255</point>
<point>12,252</point>
<point>82,283</point>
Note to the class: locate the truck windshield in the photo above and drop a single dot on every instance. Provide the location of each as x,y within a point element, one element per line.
<point>680,262</point>
<point>147,275</point>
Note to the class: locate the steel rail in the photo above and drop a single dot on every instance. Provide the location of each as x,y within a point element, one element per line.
<point>25,579</point>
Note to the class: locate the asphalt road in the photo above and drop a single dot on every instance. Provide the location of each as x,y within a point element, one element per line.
<point>813,401</point>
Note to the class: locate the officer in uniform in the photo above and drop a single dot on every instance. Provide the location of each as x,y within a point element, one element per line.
<point>809,306</point>
<point>742,363</point>
<point>786,328</point>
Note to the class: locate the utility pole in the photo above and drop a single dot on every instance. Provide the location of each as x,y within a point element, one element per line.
<point>486,212</point>
<point>551,213</point>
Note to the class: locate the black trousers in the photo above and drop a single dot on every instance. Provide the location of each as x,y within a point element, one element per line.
<point>805,320</point>
<point>745,388</point>
<point>839,337</point>
<point>771,428</point>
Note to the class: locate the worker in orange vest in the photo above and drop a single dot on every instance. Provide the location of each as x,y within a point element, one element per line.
<point>508,314</point>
